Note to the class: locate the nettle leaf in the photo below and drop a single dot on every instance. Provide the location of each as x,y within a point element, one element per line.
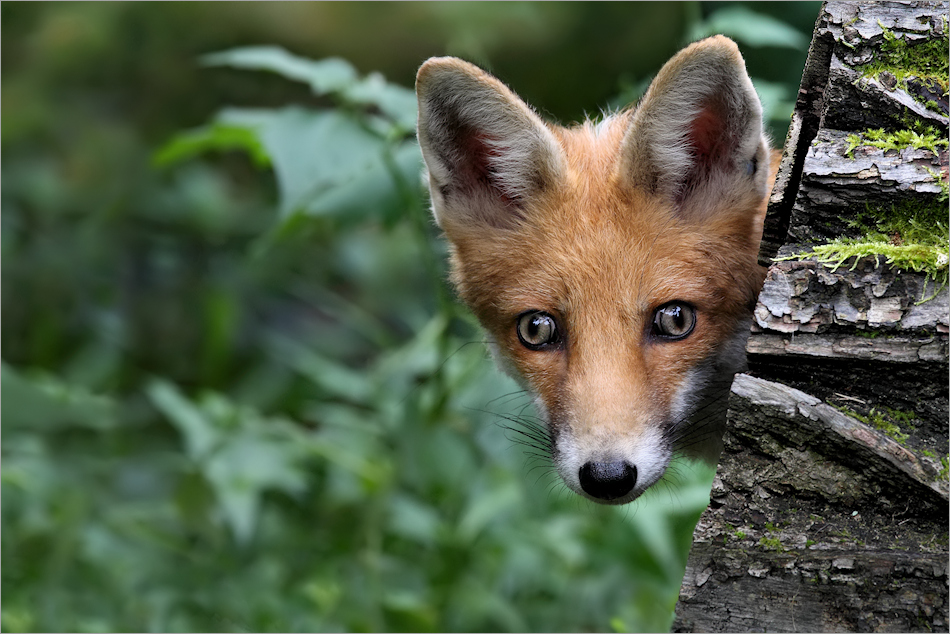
<point>46,403</point>
<point>218,136</point>
<point>198,432</point>
<point>397,102</point>
<point>328,163</point>
<point>247,465</point>
<point>777,103</point>
<point>331,76</point>
<point>240,453</point>
<point>351,162</point>
<point>750,29</point>
<point>324,76</point>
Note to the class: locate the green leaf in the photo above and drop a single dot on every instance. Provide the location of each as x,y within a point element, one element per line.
<point>315,154</point>
<point>397,102</point>
<point>335,378</point>
<point>750,29</point>
<point>331,76</point>
<point>198,432</point>
<point>777,103</point>
<point>325,76</point>
<point>488,507</point>
<point>218,137</point>
<point>412,519</point>
<point>245,466</point>
<point>47,403</point>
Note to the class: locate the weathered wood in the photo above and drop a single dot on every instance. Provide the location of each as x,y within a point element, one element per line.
<point>816,523</point>
<point>835,95</point>
<point>854,101</point>
<point>830,507</point>
<point>803,296</point>
<point>837,185</point>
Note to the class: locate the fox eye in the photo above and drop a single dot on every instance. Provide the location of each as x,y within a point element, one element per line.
<point>674,320</point>
<point>537,329</point>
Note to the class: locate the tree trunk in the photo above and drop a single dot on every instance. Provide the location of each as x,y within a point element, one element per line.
<point>830,508</point>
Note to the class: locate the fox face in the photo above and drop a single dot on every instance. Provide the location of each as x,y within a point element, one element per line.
<point>613,265</point>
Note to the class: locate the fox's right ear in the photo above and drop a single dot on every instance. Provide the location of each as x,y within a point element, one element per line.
<point>696,138</point>
<point>486,151</point>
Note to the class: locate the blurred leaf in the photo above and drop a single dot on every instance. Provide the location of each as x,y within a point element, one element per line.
<point>215,137</point>
<point>248,464</point>
<point>324,76</point>
<point>777,103</point>
<point>413,519</point>
<point>240,453</point>
<point>328,163</point>
<point>44,403</point>
<point>397,102</point>
<point>335,378</point>
<point>488,507</point>
<point>750,29</point>
<point>331,76</point>
<point>198,432</point>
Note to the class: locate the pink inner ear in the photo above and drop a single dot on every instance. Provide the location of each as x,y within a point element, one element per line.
<point>710,139</point>
<point>474,171</point>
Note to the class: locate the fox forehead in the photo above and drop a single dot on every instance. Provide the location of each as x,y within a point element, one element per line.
<point>590,237</point>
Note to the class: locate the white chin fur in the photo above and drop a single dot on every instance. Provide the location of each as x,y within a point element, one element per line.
<point>647,451</point>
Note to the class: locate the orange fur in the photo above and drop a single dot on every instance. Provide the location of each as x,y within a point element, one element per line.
<point>599,232</point>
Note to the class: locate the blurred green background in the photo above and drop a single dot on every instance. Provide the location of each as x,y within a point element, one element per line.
<point>237,393</point>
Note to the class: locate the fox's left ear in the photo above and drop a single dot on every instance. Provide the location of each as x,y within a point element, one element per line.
<point>696,138</point>
<point>486,151</point>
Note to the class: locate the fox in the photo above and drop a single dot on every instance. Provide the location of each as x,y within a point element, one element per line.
<point>612,264</point>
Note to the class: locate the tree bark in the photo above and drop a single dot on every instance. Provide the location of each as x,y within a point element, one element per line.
<point>830,507</point>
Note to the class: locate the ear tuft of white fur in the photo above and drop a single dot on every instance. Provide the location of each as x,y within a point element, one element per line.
<point>486,151</point>
<point>698,129</point>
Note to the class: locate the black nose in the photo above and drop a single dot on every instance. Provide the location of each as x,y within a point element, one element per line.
<point>608,480</point>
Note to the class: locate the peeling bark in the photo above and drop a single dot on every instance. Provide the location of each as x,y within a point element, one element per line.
<point>830,507</point>
<point>816,523</point>
<point>835,187</point>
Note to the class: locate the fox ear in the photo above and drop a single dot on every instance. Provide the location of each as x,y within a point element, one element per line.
<point>486,151</point>
<point>697,134</point>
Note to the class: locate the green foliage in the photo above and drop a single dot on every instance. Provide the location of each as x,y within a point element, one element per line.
<point>237,393</point>
<point>771,543</point>
<point>749,28</point>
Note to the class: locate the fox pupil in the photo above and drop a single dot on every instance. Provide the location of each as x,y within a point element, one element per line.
<point>536,329</point>
<point>674,320</point>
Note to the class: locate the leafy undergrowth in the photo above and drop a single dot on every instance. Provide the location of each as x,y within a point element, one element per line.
<point>328,455</point>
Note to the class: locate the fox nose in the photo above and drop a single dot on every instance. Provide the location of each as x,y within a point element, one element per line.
<point>608,480</point>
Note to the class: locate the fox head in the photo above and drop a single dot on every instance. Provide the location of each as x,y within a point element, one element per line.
<point>613,265</point>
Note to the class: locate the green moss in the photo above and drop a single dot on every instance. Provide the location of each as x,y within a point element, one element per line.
<point>929,454</point>
<point>910,237</point>
<point>925,138</point>
<point>902,418</point>
<point>926,58</point>
<point>878,420</point>
<point>771,543</point>
<point>809,543</point>
<point>944,472</point>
